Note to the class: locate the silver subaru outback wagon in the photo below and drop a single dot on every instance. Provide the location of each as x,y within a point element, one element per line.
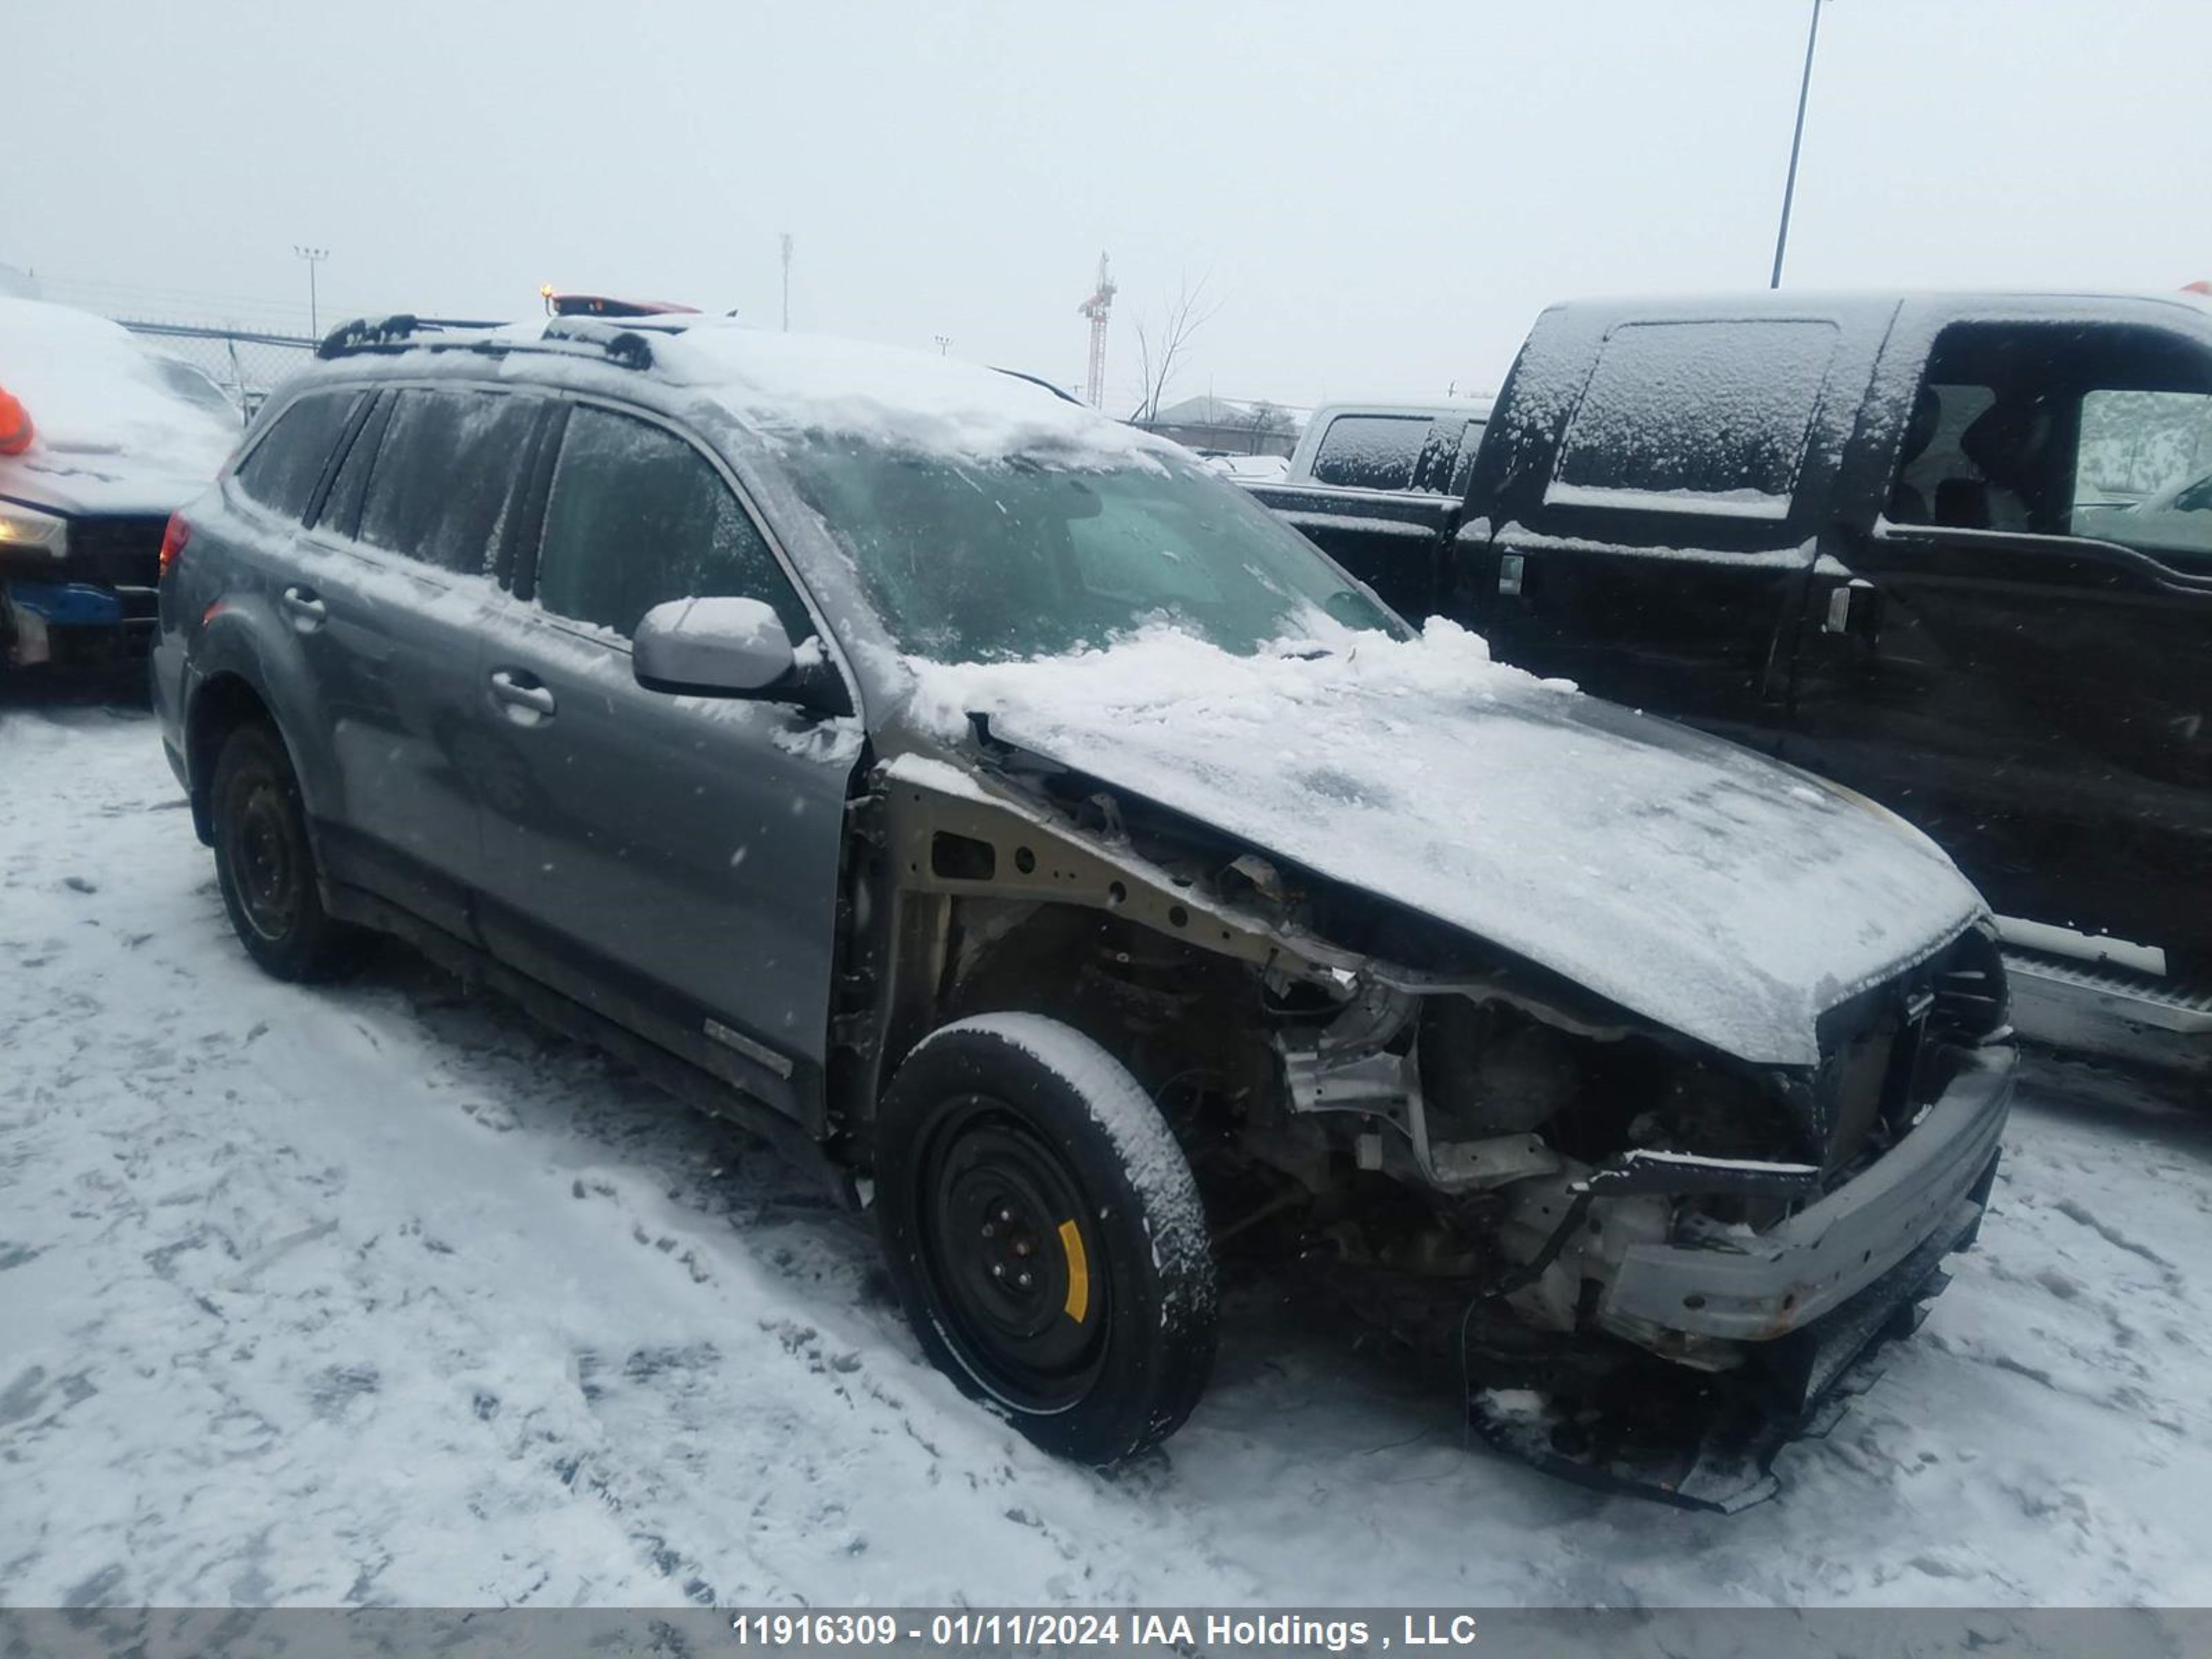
<point>983,800</point>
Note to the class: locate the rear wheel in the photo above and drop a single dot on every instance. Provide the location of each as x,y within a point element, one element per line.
<point>1046,1235</point>
<point>265,863</point>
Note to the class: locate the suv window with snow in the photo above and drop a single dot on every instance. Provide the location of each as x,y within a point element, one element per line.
<point>638,516</point>
<point>443,476</point>
<point>1705,418</point>
<point>1370,452</point>
<point>285,466</point>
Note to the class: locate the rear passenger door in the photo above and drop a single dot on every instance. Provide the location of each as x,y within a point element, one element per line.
<point>669,861</point>
<point>389,606</point>
<point>1648,504</point>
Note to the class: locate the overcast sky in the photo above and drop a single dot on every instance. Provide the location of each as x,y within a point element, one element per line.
<point>1379,196</point>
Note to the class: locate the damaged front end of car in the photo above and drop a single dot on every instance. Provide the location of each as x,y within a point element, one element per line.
<point>1649,1263</point>
<point>1680,1263</point>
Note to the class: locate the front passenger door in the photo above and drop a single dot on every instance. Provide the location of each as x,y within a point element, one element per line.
<point>670,861</point>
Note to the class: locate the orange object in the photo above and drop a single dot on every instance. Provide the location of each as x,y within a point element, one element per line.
<point>15,431</point>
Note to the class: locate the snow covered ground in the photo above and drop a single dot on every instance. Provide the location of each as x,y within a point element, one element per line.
<point>380,1295</point>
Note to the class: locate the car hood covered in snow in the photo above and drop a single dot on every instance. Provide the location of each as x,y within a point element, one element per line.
<point>1692,882</point>
<point>117,427</point>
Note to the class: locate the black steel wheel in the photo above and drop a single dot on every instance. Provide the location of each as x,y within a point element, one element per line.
<point>1046,1235</point>
<point>265,863</point>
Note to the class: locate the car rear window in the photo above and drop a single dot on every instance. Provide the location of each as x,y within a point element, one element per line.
<point>283,469</point>
<point>448,468</point>
<point>1370,452</point>
<point>1704,417</point>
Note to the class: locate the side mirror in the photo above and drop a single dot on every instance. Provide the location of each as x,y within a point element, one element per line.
<point>711,649</point>
<point>726,648</point>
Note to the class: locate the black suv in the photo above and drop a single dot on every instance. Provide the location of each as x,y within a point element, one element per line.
<point>986,798</point>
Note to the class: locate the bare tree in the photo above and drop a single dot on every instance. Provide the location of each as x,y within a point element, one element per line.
<point>1265,420</point>
<point>1161,349</point>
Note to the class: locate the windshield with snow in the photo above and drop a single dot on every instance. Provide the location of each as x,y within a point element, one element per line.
<point>1030,556</point>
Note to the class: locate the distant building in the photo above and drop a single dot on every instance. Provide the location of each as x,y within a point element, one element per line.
<point>1231,426</point>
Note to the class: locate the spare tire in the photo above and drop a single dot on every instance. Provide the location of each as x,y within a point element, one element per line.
<point>1046,1235</point>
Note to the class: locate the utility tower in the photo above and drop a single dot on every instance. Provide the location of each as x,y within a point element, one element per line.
<point>1096,308</point>
<point>313,256</point>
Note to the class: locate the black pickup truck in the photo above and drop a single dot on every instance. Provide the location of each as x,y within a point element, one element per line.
<point>1940,549</point>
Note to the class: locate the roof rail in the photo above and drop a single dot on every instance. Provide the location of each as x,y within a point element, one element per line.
<point>626,348</point>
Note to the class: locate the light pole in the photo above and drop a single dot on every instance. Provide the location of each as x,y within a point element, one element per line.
<point>313,256</point>
<point>944,343</point>
<point>786,281</point>
<point>1796,141</point>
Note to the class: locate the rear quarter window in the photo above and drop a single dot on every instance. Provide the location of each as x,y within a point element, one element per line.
<point>282,470</point>
<point>1704,417</point>
<point>1370,452</point>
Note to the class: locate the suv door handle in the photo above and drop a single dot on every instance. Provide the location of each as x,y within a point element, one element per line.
<point>309,613</point>
<point>525,700</point>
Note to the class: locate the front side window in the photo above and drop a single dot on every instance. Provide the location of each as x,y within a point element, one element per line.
<point>448,469</point>
<point>1937,480</point>
<point>639,517</point>
<point>287,465</point>
<point>1370,452</point>
<point>1704,417</point>
<point>2053,429</point>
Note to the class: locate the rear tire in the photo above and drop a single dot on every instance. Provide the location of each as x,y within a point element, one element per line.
<point>265,862</point>
<point>1046,1235</point>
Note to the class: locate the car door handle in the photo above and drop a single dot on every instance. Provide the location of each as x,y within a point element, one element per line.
<point>521,694</point>
<point>309,613</point>
<point>1841,599</point>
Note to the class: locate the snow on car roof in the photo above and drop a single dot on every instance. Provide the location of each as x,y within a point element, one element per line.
<point>791,383</point>
<point>783,386</point>
<point>92,388</point>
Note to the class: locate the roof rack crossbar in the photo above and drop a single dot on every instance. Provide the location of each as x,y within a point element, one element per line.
<point>624,346</point>
<point>394,333</point>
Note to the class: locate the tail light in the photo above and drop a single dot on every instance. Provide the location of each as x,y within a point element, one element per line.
<point>172,542</point>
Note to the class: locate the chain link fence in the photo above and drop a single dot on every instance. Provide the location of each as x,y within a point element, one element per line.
<point>248,364</point>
